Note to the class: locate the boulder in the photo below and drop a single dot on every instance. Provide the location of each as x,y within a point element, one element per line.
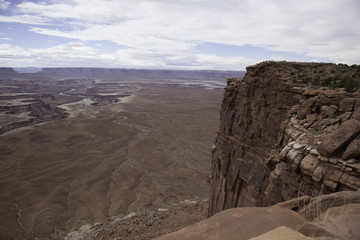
<point>356,114</point>
<point>305,108</point>
<point>303,111</point>
<point>329,111</point>
<point>352,150</point>
<point>334,142</point>
<point>339,222</point>
<point>238,223</point>
<point>282,233</point>
<point>347,105</point>
<point>322,203</point>
<point>294,109</point>
<point>310,118</point>
<point>329,97</point>
<point>345,116</point>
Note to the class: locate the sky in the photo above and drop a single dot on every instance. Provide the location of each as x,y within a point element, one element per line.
<point>177,34</point>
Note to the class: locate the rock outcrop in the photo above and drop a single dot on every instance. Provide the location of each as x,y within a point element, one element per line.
<point>104,99</point>
<point>20,112</point>
<point>331,216</point>
<point>281,136</point>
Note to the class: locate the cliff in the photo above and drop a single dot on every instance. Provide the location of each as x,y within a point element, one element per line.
<point>287,130</point>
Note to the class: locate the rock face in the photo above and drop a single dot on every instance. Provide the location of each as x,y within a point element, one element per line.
<point>280,138</point>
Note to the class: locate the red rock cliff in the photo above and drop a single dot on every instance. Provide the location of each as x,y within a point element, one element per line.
<point>280,138</point>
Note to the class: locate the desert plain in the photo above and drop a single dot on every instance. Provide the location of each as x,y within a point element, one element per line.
<point>89,150</point>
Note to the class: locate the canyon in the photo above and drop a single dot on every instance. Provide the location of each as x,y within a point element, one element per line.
<point>80,147</point>
<point>128,155</point>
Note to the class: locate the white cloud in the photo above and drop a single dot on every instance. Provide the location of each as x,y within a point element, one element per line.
<point>25,18</point>
<point>321,29</point>
<point>4,4</point>
<point>66,54</point>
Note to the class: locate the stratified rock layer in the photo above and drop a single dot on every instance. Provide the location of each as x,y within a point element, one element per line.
<point>279,138</point>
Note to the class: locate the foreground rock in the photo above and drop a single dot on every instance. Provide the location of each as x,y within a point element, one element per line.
<point>331,216</point>
<point>239,223</point>
<point>281,136</point>
<point>336,141</point>
<point>282,233</point>
<point>316,206</point>
<point>338,222</point>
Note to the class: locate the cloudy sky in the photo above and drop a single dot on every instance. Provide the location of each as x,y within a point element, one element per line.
<point>177,34</point>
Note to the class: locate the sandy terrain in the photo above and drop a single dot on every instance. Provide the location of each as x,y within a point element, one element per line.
<point>151,149</point>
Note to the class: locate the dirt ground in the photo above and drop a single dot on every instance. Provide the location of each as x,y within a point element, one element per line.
<point>149,152</point>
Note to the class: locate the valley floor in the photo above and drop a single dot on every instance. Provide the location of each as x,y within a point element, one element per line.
<point>150,151</point>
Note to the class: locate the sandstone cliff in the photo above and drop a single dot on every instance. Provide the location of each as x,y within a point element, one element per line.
<point>287,130</point>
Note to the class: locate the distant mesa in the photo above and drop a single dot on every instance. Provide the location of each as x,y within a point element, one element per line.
<point>142,75</point>
<point>6,72</point>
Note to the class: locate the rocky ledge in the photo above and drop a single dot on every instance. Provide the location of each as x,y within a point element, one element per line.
<point>328,217</point>
<point>281,137</point>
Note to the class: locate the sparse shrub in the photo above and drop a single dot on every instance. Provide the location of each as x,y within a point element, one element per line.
<point>316,81</point>
<point>328,81</point>
<point>349,84</point>
<point>357,72</point>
